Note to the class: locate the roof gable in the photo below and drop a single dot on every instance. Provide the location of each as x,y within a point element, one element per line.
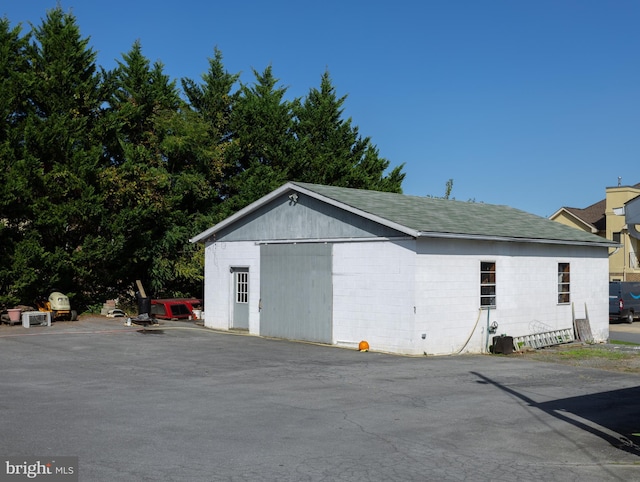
<point>302,218</point>
<point>593,216</point>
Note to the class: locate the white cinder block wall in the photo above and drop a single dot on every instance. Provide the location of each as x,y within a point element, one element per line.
<point>448,292</point>
<point>220,257</point>
<point>428,302</point>
<point>373,295</point>
<point>591,285</point>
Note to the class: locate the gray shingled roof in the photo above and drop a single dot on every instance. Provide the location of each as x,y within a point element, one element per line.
<point>430,216</point>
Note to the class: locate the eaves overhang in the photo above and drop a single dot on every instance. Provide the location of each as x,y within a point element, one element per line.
<point>513,239</point>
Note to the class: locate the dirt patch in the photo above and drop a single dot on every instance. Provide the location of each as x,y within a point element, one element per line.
<point>617,358</point>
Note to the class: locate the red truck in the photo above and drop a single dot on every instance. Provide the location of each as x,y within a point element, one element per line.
<point>176,308</point>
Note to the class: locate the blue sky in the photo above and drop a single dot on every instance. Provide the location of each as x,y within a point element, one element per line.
<point>532,104</point>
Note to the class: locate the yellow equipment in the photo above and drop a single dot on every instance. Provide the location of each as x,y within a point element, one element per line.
<point>59,307</point>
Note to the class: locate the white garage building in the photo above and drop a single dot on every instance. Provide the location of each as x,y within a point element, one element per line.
<point>407,274</point>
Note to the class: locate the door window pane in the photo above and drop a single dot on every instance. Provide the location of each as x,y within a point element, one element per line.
<point>242,287</point>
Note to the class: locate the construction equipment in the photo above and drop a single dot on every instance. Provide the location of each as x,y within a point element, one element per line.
<point>58,305</point>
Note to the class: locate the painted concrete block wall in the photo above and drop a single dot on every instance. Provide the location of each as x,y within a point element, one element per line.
<point>591,286</point>
<point>386,293</point>
<point>373,295</point>
<point>447,301</point>
<point>448,292</point>
<point>218,287</point>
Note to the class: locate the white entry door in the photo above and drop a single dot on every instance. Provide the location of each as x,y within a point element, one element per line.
<point>240,303</point>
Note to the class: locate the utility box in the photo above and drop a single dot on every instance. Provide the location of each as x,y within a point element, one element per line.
<point>503,345</point>
<point>36,318</point>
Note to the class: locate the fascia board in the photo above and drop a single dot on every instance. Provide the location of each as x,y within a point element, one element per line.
<point>557,213</point>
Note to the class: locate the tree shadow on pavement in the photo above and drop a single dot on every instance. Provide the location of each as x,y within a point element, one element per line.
<point>613,416</point>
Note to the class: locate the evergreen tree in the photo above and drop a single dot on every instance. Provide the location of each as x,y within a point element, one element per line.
<point>177,267</point>
<point>214,103</point>
<point>214,100</point>
<point>136,180</point>
<point>108,174</point>
<point>259,161</point>
<point>58,164</point>
<point>13,71</point>
<point>198,135</point>
<point>329,150</point>
<point>14,174</point>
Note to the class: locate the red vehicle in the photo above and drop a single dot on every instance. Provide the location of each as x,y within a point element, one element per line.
<point>176,308</point>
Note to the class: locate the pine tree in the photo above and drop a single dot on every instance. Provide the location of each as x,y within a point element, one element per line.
<point>136,181</point>
<point>194,161</point>
<point>60,157</point>
<point>329,150</point>
<point>15,196</point>
<point>214,100</point>
<point>259,161</point>
<point>108,174</point>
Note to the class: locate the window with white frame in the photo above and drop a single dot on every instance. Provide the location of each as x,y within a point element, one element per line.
<point>487,284</point>
<point>242,287</point>
<point>564,283</point>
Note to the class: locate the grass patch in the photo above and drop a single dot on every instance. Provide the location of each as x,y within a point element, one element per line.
<point>617,359</point>
<point>618,342</point>
<point>585,353</point>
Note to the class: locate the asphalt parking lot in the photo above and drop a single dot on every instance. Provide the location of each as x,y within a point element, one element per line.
<point>625,332</point>
<point>183,403</point>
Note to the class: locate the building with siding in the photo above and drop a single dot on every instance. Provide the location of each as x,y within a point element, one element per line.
<point>408,274</point>
<point>610,219</point>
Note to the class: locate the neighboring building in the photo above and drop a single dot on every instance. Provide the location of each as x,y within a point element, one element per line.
<point>408,274</point>
<point>607,218</point>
